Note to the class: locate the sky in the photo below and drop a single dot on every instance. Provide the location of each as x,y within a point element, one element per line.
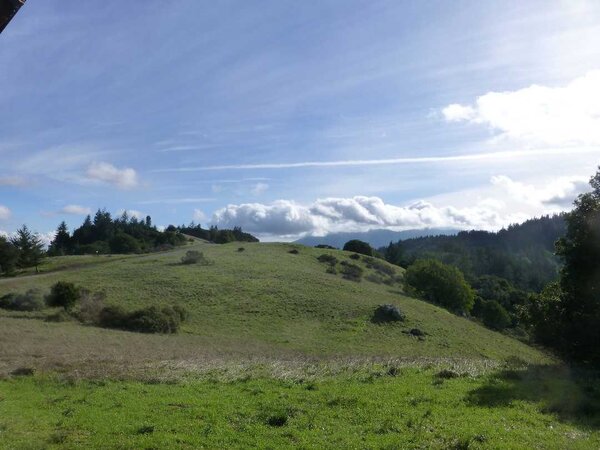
<point>291,118</point>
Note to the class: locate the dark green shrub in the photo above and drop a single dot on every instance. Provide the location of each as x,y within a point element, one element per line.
<point>124,243</point>
<point>494,315</point>
<point>147,320</point>
<point>328,259</point>
<point>241,249</point>
<point>63,294</point>
<point>357,246</point>
<point>113,317</point>
<point>32,300</point>
<point>194,257</point>
<point>154,320</point>
<point>387,313</point>
<point>95,248</point>
<point>379,266</point>
<point>351,271</point>
<point>325,246</point>
<point>441,284</point>
<point>447,374</point>
<point>355,256</point>
<point>294,251</point>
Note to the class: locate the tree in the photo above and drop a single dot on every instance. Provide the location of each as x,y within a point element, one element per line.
<point>30,246</point>
<point>124,243</point>
<point>494,315</point>
<point>578,328</point>
<point>358,246</point>
<point>9,255</point>
<point>61,243</point>
<point>441,284</point>
<point>63,294</point>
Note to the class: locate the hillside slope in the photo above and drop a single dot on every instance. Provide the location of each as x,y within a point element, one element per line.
<point>263,302</point>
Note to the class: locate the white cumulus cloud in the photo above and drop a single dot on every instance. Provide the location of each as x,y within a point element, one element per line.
<point>259,188</point>
<point>132,213</point>
<point>4,213</point>
<point>539,114</point>
<point>198,215</point>
<point>560,192</point>
<point>286,218</point>
<point>122,178</point>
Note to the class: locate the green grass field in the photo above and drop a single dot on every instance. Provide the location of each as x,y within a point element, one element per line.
<point>276,353</point>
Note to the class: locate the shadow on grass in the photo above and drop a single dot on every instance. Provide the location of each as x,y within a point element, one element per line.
<point>572,395</point>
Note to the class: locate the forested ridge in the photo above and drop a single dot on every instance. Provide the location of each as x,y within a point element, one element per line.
<point>522,254</point>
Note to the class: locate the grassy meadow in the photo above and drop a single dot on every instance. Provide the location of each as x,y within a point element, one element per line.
<point>276,353</point>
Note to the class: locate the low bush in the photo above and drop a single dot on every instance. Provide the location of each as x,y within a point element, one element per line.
<point>91,306</point>
<point>194,257</point>
<point>113,317</point>
<point>32,300</point>
<point>294,251</point>
<point>375,278</point>
<point>387,313</point>
<point>379,266</point>
<point>355,256</point>
<point>447,374</point>
<point>241,249</point>
<point>328,259</point>
<point>152,319</point>
<point>332,270</point>
<point>351,271</point>
<point>325,246</point>
<point>60,316</point>
<point>63,294</point>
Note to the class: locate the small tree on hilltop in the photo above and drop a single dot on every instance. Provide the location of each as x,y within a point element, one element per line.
<point>30,246</point>
<point>358,246</point>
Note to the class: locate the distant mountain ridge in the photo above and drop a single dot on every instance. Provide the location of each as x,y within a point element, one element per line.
<point>377,238</point>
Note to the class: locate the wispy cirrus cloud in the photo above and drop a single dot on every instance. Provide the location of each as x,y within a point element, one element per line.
<point>76,210</point>
<point>13,181</point>
<point>483,156</point>
<point>177,200</point>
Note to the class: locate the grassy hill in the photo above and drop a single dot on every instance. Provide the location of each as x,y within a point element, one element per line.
<point>276,353</point>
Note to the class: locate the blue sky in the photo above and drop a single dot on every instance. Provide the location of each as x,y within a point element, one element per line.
<point>290,118</point>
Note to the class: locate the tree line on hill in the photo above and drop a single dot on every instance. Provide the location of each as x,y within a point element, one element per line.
<point>104,235</point>
<point>213,234</point>
<point>521,254</point>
